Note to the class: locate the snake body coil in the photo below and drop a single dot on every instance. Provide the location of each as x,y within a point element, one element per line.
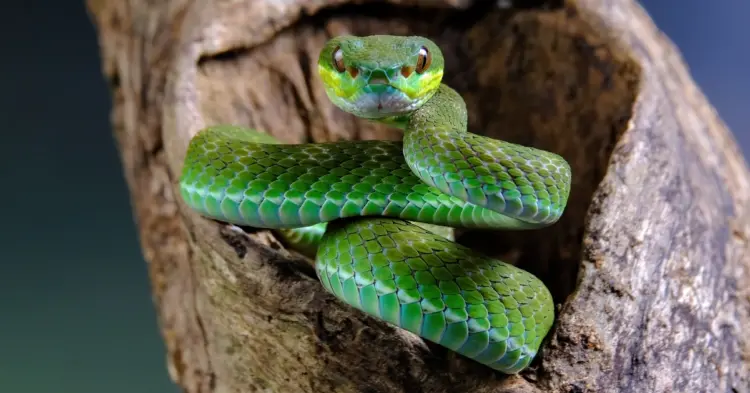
<point>377,215</point>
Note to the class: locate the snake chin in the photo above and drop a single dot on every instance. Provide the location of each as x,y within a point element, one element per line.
<point>391,102</point>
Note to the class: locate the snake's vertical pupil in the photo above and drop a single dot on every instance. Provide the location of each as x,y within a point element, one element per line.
<point>424,60</point>
<point>338,59</point>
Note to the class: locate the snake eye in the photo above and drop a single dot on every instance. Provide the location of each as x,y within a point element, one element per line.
<point>338,59</point>
<point>424,60</point>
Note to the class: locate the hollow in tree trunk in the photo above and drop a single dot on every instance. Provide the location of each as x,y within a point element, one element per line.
<point>649,265</point>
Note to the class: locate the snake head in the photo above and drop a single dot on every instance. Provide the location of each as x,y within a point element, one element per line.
<point>380,76</point>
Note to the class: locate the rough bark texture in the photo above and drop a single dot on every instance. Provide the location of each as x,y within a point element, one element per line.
<point>649,264</point>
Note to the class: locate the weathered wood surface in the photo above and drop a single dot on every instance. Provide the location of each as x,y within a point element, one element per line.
<point>649,265</point>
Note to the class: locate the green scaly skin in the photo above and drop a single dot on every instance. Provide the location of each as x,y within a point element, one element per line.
<point>377,215</point>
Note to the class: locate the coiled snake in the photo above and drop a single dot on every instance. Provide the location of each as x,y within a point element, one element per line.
<point>377,215</point>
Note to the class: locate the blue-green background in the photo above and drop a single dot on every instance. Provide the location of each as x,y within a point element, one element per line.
<point>76,314</point>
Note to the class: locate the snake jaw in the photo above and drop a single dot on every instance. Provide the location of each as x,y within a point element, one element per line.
<point>382,100</point>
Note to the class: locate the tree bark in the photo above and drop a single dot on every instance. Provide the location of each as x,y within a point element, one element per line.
<point>649,264</point>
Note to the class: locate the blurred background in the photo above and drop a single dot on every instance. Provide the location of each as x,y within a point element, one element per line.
<point>74,293</point>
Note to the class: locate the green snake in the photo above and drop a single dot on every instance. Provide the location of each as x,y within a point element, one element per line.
<point>378,216</point>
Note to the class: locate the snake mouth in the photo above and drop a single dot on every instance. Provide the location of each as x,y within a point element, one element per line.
<point>381,101</point>
<point>379,97</point>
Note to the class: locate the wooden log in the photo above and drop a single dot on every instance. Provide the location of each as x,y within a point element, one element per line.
<point>649,264</point>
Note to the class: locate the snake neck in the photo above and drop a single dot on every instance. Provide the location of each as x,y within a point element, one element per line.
<point>444,112</point>
<point>527,185</point>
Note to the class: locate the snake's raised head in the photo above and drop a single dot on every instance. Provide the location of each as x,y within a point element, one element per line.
<point>379,77</point>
